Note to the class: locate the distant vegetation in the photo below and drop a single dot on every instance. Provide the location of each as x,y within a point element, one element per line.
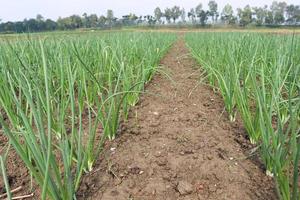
<point>277,14</point>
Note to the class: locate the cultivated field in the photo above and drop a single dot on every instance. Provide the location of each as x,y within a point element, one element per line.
<point>62,97</point>
<point>219,117</point>
<point>258,77</point>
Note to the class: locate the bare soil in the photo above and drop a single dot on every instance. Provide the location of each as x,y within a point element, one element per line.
<point>178,144</point>
<point>17,174</point>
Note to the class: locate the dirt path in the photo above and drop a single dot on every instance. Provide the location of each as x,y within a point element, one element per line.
<point>177,145</point>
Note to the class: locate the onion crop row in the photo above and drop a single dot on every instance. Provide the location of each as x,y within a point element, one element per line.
<point>258,77</point>
<point>62,96</point>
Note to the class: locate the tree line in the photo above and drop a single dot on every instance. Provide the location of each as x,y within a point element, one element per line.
<point>278,13</point>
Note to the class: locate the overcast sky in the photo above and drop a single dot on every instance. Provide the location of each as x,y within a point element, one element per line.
<point>12,10</point>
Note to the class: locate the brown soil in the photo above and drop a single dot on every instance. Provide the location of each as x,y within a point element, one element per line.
<point>17,174</point>
<point>178,144</point>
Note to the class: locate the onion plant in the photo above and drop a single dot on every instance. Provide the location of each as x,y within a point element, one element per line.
<point>263,72</point>
<point>64,95</point>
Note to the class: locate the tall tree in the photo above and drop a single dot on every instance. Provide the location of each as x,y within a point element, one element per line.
<point>213,10</point>
<point>293,14</point>
<point>150,20</point>
<point>269,18</point>
<point>227,14</point>
<point>175,13</point>
<point>72,22</point>
<point>278,9</point>
<point>39,18</point>
<point>245,15</point>
<point>297,14</point>
<point>183,15</point>
<point>192,15</point>
<point>129,19</point>
<point>102,21</point>
<point>40,22</point>
<point>290,10</point>
<point>201,14</point>
<point>85,20</point>
<point>260,14</point>
<point>168,14</point>
<point>50,25</point>
<point>75,21</point>
<point>198,9</point>
<point>158,14</point>
<point>93,20</point>
<point>110,17</point>
<point>140,19</point>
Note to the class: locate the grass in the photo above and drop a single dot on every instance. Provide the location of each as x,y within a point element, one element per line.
<point>258,77</point>
<point>64,95</point>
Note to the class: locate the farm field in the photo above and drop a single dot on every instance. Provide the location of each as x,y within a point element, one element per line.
<point>258,77</point>
<point>150,115</point>
<point>62,97</point>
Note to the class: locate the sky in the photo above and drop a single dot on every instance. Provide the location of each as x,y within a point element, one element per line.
<point>14,10</point>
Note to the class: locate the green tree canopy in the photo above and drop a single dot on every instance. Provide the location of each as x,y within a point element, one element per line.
<point>227,14</point>
<point>158,14</point>
<point>175,13</point>
<point>213,10</point>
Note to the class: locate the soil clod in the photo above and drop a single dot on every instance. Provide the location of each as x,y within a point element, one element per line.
<point>184,188</point>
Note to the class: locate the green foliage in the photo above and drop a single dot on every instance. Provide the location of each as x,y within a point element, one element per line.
<point>64,96</point>
<point>213,10</point>
<point>158,14</point>
<point>245,15</point>
<point>175,13</point>
<point>258,76</point>
<point>168,14</point>
<point>227,14</point>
